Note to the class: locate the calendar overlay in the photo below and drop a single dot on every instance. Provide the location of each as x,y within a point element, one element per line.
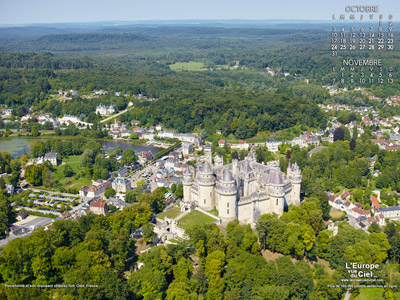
<point>360,45</point>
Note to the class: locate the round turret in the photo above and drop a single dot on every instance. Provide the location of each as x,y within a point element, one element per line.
<point>226,184</point>
<point>227,192</point>
<point>206,182</point>
<point>187,176</point>
<point>205,174</point>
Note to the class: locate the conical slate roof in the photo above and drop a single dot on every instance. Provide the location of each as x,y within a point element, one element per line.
<point>275,177</point>
<point>227,176</point>
<point>206,168</point>
<point>187,171</point>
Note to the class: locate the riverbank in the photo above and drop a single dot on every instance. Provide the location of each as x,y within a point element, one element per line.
<point>17,145</point>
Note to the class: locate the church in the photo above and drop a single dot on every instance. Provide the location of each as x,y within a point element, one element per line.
<point>242,190</point>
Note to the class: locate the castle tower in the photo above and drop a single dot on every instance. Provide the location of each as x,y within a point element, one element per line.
<point>218,161</point>
<point>251,156</point>
<point>235,172</point>
<point>187,184</point>
<point>227,191</point>
<point>276,192</point>
<point>206,183</point>
<point>296,184</point>
<point>248,179</point>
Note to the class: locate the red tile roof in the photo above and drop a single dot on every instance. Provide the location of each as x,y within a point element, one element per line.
<point>345,195</point>
<point>97,203</point>
<point>374,201</point>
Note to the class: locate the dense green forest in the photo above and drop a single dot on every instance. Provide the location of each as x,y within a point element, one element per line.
<point>233,92</point>
<point>97,251</point>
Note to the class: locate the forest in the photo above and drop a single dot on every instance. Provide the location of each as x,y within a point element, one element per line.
<point>233,92</point>
<point>97,251</point>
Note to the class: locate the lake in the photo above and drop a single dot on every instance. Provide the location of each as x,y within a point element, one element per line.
<point>18,145</point>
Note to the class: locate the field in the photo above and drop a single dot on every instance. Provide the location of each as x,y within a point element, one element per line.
<point>195,218</point>
<point>171,213</point>
<point>335,213</point>
<point>71,182</point>
<point>188,66</point>
<point>369,294</point>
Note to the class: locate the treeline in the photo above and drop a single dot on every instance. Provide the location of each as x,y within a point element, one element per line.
<point>243,114</point>
<point>85,38</point>
<point>42,61</point>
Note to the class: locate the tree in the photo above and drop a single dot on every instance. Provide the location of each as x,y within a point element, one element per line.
<point>148,232</point>
<point>134,136</point>
<point>235,154</point>
<point>109,192</point>
<point>68,171</point>
<point>128,157</point>
<point>338,134</point>
<point>48,178</point>
<point>34,174</point>
<point>179,191</point>
<point>353,144</point>
<point>173,188</point>
<point>104,174</point>
<point>130,196</point>
<point>34,130</point>
<point>14,178</point>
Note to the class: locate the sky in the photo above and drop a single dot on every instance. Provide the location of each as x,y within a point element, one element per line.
<point>19,12</point>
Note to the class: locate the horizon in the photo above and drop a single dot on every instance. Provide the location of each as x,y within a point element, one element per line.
<point>117,23</point>
<point>23,12</point>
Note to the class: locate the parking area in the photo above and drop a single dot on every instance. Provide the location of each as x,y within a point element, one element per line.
<point>37,222</point>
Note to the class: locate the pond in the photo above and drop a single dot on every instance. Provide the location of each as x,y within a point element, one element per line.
<point>16,146</point>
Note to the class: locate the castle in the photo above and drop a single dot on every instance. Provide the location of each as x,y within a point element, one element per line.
<point>105,110</point>
<point>242,190</point>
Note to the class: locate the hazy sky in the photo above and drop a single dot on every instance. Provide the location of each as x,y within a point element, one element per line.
<point>55,11</point>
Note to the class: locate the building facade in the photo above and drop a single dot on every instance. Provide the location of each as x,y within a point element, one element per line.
<point>105,110</point>
<point>242,190</point>
<point>121,185</point>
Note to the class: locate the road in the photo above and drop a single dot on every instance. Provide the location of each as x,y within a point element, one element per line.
<point>348,294</point>
<point>135,178</point>
<point>116,115</point>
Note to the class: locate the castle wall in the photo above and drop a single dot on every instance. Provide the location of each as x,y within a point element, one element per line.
<point>245,213</point>
<point>295,194</point>
<point>264,206</point>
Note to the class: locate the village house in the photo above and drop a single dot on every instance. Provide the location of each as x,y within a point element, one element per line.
<point>187,148</point>
<point>51,157</point>
<point>98,207</point>
<point>272,145</point>
<point>158,127</point>
<point>94,190</point>
<point>391,212</point>
<point>121,185</point>
<point>21,215</point>
<point>144,157</point>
